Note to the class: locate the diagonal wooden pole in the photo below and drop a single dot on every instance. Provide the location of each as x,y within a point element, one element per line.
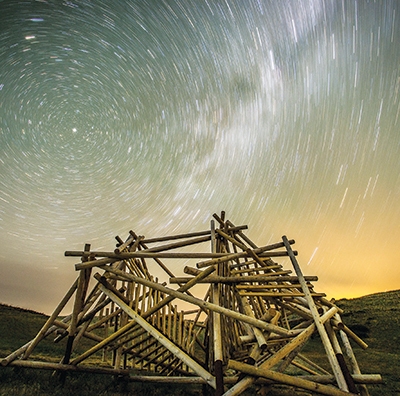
<point>50,320</point>
<point>317,320</point>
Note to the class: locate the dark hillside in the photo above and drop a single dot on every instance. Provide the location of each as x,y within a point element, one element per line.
<point>17,326</point>
<point>376,319</point>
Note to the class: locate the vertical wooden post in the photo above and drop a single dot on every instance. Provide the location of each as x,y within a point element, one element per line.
<point>218,351</point>
<point>213,237</point>
<point>106,326</point>
<point>217,328</point>
<point>83,282</point>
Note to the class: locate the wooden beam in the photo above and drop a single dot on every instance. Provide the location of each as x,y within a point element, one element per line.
<point>264,278</point>
<point>262,252</point>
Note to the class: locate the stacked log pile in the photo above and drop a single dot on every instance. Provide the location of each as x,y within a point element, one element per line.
<point>248,326</point>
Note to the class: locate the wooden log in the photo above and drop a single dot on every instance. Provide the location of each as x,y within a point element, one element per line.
<point>255,269</point>
<point>124,245</point>
<point>262,252</point>
<point>339,356</point>
<point>174,324</point>
<point>258,334</point>
<point>191,270</point>
<point>91,307</point>
<point>180,328</point>
<point>317,320</point>
<point>328,379</point>
<point>190,235</point>
<point>102,320</point>
<point>351,334</point>
<point>267,262</point>
<point>355,369</point>
<point>158,352</point>
<point>217,258</point>
<point>14,355</point>
<point>301,366</point>
<point>135,245</point>
<point>173,255</point>
<point>83,281</point>
<point>273,286</point>
<point>111,257</point>
<point>139,338</point>
<point>358,378</point>
<point>90,336</point>
<point>287,379</point>
<point>278,294</point>
<point>220,219</point>
<point>262,263</point>
<point>32,364</point>
<point>242,279</point>
<point>213,237</point>
<point>157,260</point>
<point>217,343</point>
<point>243,236</point>
<point>216,324</point>
<point>256,351</point>
<point>297,309</point>
<point>312,364</point>
<point>134,337</point>
<point>329,304</point>
<point>67,367</point>
<point>102,279</point>
<point>176,245</point>
<point>231,239</point>
<point>199,370</point>
<point>146,359</point>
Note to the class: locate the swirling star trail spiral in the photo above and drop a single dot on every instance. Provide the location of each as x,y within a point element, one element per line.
<point>151,116</point>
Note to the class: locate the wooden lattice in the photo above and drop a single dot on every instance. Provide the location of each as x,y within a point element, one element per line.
<point>249,325</point>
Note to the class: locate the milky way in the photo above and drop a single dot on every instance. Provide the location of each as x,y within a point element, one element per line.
<point>151,116</point>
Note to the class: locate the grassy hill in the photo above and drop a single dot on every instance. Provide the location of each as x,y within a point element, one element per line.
<point>375,318</point>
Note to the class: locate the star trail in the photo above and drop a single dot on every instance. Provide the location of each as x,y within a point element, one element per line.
<point>151,116</point>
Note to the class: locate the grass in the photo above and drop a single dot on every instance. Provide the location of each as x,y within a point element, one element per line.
<point>375,318</point>
<point>16,381</point>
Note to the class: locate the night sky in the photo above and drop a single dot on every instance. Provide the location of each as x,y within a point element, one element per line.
<point>152,115</point>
